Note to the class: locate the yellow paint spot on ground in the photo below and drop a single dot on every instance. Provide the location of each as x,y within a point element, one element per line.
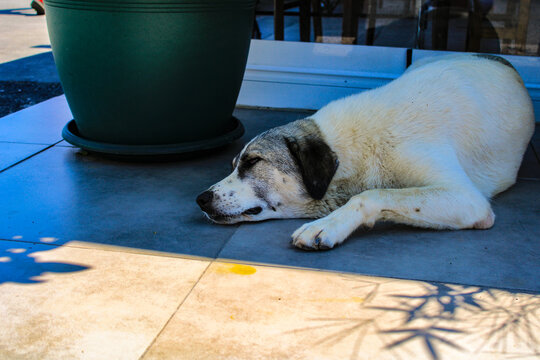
<point>17,237</point>
<point>4,259</point>
<point>236,269</point>
<point>48,239</point>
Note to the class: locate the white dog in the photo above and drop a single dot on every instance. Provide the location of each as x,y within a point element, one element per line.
<point>428,149</point>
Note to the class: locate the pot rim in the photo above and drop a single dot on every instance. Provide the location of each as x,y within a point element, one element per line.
<point>153,5</point>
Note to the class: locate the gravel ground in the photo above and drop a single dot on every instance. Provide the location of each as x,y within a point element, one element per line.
<point>17,95</point>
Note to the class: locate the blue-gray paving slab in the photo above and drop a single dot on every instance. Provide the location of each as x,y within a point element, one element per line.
<point>39,124</point>
<point>11,153</point>
<point>506,256</point>
<point>64,194</point>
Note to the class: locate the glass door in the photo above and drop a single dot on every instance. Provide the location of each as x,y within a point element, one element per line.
<point>493,26</point>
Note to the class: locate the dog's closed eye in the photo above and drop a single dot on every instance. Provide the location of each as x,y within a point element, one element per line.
<point>246,164</point>
<point>251,161</point>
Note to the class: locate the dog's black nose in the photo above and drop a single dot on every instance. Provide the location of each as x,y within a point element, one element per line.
<point>205,199</point>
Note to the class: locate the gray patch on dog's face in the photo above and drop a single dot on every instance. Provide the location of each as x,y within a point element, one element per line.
<point>266,177</point>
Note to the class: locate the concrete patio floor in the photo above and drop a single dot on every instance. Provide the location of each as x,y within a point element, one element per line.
<point>101,259</point>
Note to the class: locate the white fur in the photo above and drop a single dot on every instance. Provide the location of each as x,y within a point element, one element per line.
<point>432,147</point>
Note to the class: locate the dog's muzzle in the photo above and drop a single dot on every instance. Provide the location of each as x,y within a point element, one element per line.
<point>205,202</point>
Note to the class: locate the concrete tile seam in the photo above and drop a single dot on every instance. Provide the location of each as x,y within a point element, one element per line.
<point>289,267</point>
<point>107,248</point>
<point>112,248</point>
<point>29,157</point>
<point>175,311</point>
<point>24,143</point>
<point>226,242</point>
<point>389,278</point>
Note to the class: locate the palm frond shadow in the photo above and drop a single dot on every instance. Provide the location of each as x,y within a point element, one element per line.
<point>442,316</point>
<point>505,322</point>
<point>340,328</point>
<point>429,337</point>
<point>448,299</point>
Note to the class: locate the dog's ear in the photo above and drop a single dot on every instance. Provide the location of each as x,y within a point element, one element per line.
<point>316,161</point>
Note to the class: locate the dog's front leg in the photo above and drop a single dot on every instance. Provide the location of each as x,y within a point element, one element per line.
<point>329,231</point>
<point>333,229</point>
<point>436,207</point>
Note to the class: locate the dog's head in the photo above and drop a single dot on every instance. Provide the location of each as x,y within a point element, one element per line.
<point>276,175</point>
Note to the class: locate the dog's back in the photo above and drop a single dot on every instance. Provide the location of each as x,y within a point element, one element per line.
<point>475,105</point>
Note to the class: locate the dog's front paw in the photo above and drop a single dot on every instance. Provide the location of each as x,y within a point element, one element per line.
<point>322,234</point>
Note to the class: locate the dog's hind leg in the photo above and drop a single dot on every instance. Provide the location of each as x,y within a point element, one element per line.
<point>435,207</point>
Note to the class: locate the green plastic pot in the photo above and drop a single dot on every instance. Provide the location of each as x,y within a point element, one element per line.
<point>144,76</point>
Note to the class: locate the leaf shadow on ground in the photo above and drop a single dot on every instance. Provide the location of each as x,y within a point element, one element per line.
<point>470,320</point>
<point>19,264</point>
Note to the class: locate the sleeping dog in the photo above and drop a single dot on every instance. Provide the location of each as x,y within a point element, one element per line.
<point>428,149</point>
